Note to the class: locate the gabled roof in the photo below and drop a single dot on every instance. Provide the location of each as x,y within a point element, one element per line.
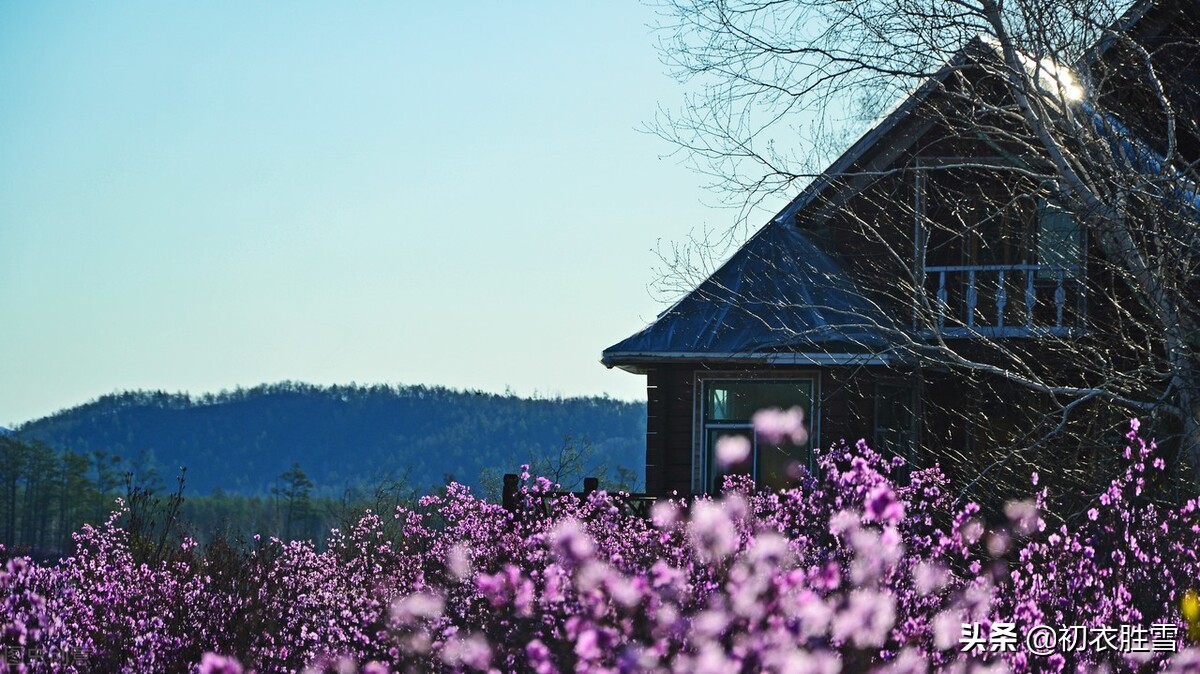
<point>779,293</point>
<point>1138,12</point>
<point>866,143</point>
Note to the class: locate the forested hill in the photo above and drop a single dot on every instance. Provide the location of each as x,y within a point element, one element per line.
<point>241,441</point>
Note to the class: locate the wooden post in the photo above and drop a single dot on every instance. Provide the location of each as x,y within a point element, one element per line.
<point>1001,301</point>
<point>590,484</point>
<point>972,298</point>
<point>942,301</point>
<point>1030,298</point>
<point>508,497</point>
<point>1060,298</point>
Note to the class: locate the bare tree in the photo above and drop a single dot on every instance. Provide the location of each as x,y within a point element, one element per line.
<point>1026,219</point>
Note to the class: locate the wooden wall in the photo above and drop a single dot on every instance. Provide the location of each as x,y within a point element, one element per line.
<point>669,429</point>
<point>845,401</point>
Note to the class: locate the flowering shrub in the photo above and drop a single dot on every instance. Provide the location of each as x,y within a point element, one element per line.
<point>850,571</point>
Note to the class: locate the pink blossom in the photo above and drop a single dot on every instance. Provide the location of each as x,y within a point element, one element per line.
<point>416,607</point>
<point>732,450</point>
<point>1024,516</point>
<point>775,425</point>
<point>572,542</point>
<point>458,562</point>
<point>712,531</point>
<point>471,651</point>
<point>866,620</point>
<point>211,663</point>
<point>798,580</point>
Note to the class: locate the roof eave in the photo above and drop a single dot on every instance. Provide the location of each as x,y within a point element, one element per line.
<point>627,359</point>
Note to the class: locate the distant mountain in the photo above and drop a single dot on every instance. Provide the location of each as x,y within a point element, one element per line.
<point>240,441</point>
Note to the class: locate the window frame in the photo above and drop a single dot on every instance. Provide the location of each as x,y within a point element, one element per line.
<point>702,452</point>
<point>911,389</point>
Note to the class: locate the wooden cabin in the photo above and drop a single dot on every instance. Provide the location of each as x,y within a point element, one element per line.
<point>927,230</point>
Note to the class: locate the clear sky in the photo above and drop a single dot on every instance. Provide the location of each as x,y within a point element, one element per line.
<point>196,196</point>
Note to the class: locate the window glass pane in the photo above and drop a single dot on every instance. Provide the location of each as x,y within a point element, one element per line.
<point>744,468</point>
<point>718,403</point>
<point>739,400</point>
<point>1060,240</point>
<point>779,466</point>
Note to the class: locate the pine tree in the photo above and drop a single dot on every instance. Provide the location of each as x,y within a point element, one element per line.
<point>294,489</point>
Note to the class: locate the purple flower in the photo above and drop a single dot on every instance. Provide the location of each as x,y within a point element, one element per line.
<point>416,608</point>
<point>882,505</point>
<point>929,577</point>
<point>587,645</point>
<point>539,657</point>
<point>458,561</point>
<point>850,565</point>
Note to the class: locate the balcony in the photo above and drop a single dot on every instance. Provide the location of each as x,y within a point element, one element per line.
<point>1017,300</point>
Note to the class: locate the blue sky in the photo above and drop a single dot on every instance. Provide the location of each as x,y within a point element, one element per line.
<point>195,196</point>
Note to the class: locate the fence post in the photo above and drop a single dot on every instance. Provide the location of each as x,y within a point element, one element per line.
<point>508,496</point>
<point>590,484</point>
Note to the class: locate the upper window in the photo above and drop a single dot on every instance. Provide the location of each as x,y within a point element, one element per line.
<point>728,409</point>
<point>971,212</point>
<point>1059,242</point>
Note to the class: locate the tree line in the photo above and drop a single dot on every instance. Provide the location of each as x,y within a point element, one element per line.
<point>46,495</point>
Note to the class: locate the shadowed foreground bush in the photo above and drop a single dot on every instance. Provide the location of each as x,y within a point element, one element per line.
<point>848,572</point>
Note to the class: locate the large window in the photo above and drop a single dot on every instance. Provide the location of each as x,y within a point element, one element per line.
<point>728,408</point>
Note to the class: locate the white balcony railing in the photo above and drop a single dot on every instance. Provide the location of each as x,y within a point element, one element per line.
<point>1017,300</point>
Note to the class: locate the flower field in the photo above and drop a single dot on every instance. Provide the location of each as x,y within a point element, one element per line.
<point>852,571</point>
